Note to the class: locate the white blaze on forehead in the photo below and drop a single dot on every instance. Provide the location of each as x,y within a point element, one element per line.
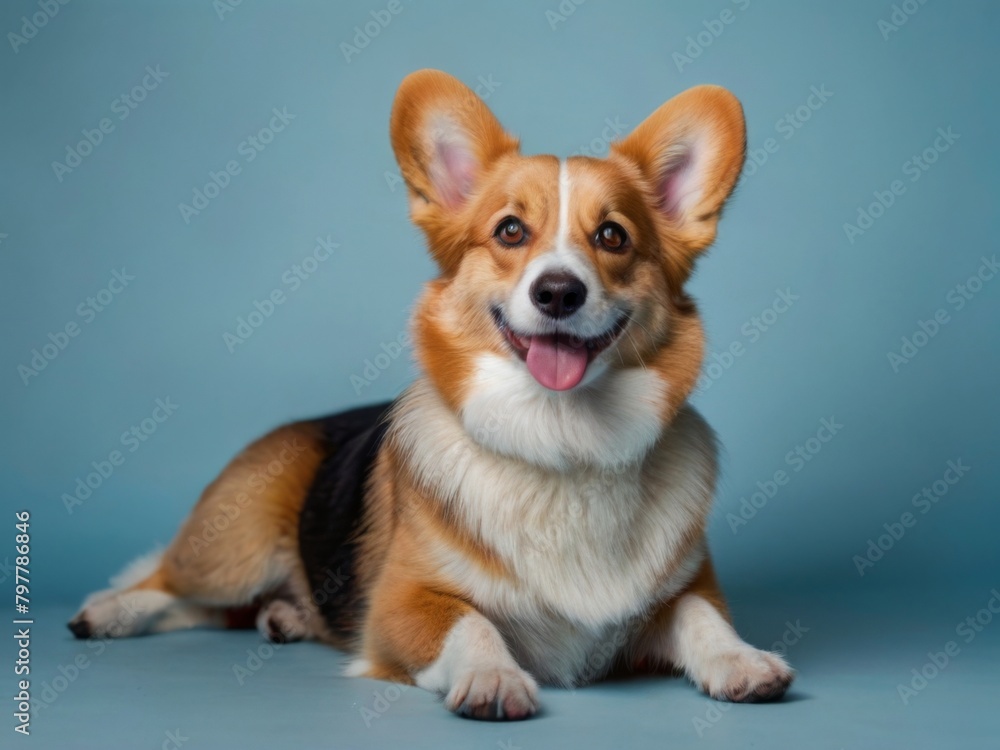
<point>562,234</point>
<point>563,256</point>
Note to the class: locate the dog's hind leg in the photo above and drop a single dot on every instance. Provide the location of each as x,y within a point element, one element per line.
<point>239,547</point>
<point>139,603</point>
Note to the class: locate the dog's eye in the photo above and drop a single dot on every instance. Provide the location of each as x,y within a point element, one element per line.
<point>511,232</point>
<point>611,237</point>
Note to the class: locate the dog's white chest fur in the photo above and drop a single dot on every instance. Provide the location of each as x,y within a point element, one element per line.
<point>591,548</point>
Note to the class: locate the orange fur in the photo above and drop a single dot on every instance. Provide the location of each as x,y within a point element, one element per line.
<point>452,323</point>
<point>264,531</point>
<point>464,175</point>
<point>704,585</point>
<point>239,546</point>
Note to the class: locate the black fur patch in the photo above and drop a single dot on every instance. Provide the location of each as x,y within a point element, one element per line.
<point>333,512</point>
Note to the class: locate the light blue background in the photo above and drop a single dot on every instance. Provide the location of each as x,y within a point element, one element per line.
<point>331,172</point>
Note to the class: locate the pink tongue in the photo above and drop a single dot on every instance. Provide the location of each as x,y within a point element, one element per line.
<point>555,363</point>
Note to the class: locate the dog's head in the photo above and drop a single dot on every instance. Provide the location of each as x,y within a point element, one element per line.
<point>560,313</point>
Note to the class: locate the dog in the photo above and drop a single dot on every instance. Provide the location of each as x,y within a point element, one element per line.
<point>532,509</point>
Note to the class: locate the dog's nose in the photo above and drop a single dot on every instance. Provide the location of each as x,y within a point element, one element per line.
<point>558,294</point>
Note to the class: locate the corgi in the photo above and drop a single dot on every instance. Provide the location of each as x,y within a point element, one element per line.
<point>532,510</point>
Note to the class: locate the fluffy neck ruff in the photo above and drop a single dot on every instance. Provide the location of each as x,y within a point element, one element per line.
<point>608,423</point>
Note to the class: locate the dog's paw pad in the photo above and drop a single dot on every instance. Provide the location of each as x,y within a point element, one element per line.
<point>497,694</point>
<point>748,676</point>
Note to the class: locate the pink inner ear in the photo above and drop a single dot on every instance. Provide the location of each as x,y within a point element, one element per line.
<point>453,171</point>
<point>680,184</point>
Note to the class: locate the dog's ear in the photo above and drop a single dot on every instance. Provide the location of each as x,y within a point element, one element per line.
<point>691,152</point>
<point>444,138</point>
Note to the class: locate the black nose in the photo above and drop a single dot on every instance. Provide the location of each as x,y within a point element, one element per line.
<point>558,294</point>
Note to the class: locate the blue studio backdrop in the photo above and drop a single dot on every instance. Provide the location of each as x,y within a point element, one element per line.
<point>203,234</point>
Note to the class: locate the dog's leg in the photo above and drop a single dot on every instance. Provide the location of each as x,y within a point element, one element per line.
<point>139,603</point>
<point>477,675</point>
<point>281,621</point>
<point>238,547</point>
<point>442,644</point>
<point>693,633</point>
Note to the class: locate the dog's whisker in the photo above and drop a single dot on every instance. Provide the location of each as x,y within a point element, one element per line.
<point>636,348</point>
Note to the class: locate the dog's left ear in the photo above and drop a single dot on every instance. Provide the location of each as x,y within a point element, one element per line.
<point>445,138</point>
<point>691,151</point>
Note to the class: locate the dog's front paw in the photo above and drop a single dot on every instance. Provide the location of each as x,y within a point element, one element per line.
<point>495,693</point>
<point>746,675</point>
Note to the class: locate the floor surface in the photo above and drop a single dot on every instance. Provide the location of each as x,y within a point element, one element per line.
<point>205,689</point>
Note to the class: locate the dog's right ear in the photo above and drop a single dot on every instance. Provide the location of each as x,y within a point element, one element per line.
<point>444,138</point>
<point>691,150</point>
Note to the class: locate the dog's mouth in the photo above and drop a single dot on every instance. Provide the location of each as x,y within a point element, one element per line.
<point>558,360</point>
